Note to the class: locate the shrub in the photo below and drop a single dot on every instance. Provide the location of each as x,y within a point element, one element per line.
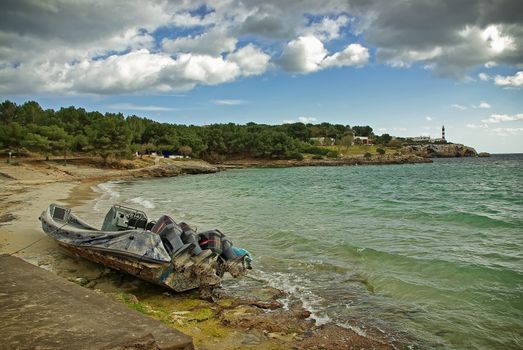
<point>367,155</point>
<point>380,151</point>
<point>314,150</point>
<point>333,154</point>
<point>296,155</point>
<point>317,156</point>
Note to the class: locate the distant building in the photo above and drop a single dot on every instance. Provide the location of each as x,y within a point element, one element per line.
<point>420,138</point>
<point>365,140</point>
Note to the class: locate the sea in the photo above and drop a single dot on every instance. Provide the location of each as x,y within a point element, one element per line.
<point>419,255</point>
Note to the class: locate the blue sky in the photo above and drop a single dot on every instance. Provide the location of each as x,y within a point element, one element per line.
<point>404,68</point>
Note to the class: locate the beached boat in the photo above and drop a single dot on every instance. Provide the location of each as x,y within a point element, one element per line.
<point>162,252</point>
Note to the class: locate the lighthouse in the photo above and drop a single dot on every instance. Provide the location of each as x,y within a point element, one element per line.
<point>443,132</point>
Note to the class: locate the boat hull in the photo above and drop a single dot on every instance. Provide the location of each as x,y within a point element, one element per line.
<point>160,274</point>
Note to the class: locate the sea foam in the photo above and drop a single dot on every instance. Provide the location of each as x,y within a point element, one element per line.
<point>143,202</point>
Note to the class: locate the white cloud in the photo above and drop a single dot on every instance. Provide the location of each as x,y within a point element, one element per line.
<point>484,77</point>
<point>496,40</point>
<point>458,106</point>
<point>52,46</point>
<point>428,118</point>
<point>477,126</point>
<point>138,70</point>
<point>498,118</point>
<point>214,42</point>
<point>306,120</point>
<point>352,55</point>
<point>204,69</point>
<point>303,55</point>
<point>328,28</point>
<point>229,102</point>
<point>514,81</point>
<point>307,54</point>
<point>251,60</point>
<point>507,131</point>
<point>135,71</point>
<point>484,105</point>
<point>408,57</point>
<point>134,107</point>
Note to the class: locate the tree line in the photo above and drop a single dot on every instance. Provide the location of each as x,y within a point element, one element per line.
<point>75,130</point>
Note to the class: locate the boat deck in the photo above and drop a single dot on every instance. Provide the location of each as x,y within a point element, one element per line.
<point>38,309</point>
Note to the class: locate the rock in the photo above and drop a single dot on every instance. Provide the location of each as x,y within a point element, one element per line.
<point>175,169</point>
<point>483,154</point>
<point>449,150</point>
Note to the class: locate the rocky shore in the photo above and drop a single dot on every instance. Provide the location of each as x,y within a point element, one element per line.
<point>357,160</point>
<point>449,150</point>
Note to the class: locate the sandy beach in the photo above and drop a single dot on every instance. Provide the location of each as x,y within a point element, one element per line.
<point>257,322</point>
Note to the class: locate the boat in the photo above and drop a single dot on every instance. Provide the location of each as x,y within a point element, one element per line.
<point>163,252</point>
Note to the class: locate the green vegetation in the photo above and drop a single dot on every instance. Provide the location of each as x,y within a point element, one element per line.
<point>112,135</point>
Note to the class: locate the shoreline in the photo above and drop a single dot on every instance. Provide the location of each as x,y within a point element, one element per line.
<point>232,322</point>
<point>346,161</point>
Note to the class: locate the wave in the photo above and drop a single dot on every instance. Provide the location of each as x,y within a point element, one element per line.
<point>430,272</point>
<point>475,219</point>
<point>457,217</point>
<point>107,189</point>
<point>107,193</point>
<point>297,287</point>
<point>143,202</point>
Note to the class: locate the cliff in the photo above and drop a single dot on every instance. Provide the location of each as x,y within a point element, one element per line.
<point>449,150</point>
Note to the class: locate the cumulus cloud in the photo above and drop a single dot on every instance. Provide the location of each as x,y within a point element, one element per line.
<point>498,118</point>
<point>448,37</point>
<point>307,54</point>
<point>511,81</point>
<point>303,55</point>
<point>484,104</point>
<point>352,55</point>
<point>251,60</point>
<point>65,47</point>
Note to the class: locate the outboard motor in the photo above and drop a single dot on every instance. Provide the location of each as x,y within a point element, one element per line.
<point>211,240</point>
<point>228,252</point>
<point>170,233</point>
<point>216,241</point>
<point>189,236</point>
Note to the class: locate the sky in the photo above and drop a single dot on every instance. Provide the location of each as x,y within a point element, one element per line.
<point>403,67</point>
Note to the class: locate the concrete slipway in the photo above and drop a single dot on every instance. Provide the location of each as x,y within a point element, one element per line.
<point>39,310</point>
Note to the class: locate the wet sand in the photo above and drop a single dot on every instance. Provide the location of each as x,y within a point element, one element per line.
<point>256,322</point>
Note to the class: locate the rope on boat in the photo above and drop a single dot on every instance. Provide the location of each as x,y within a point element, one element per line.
<point>39,239</point>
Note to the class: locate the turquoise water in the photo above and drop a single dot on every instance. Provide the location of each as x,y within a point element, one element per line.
<point>426,255</point>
